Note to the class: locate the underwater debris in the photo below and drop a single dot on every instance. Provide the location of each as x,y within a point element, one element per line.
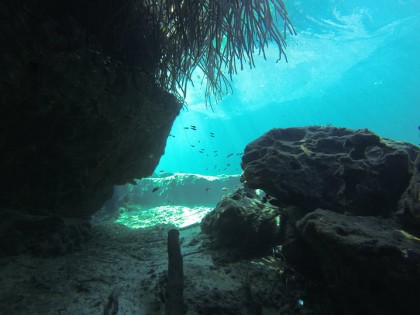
<point>175,287</point>
<point>111,307</point>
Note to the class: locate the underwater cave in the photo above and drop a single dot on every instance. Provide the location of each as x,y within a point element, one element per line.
<point>209,157</point>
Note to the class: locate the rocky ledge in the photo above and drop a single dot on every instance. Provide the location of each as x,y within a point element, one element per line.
<point>77,113</point>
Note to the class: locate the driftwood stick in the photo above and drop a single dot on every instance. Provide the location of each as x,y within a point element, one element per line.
<point>174,292</point>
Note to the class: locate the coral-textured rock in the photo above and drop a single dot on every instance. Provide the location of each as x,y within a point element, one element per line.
<point>242,221</point>
<point>410,202</point>
<point>332,168</point>
<point>371,264</point>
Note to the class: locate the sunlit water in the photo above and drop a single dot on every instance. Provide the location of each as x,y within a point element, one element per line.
<point>353,64</point>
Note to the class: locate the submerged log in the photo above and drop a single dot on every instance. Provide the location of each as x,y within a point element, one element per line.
<point>174,292</point>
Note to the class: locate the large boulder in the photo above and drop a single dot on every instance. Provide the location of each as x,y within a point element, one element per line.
<point>80,110</point>
<point>243,222</point>
<point>371,265</point>
<point>75,118</point>
<point>366,247</point>
<point>330,168</point>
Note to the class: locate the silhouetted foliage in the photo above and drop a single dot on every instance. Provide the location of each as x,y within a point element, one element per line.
<point>216,36</point>
<point>169,39</point>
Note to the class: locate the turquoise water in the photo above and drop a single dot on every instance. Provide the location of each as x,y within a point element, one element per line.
<point>353,64</point>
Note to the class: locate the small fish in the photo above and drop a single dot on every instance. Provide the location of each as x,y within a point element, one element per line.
<point>186,127</point>
<point>155,189</point>
<point>212,134</point>
<point>208,188</point>
<point>224,189</point>
<point>201,151</point>
<point>228,164</point>
<point>161,171</point>
<point>193,127</point>
<point>171,135</point>
<point>229,155</point>
<point>270,199</point>
<point>193,145</point>
<point>215,151</point>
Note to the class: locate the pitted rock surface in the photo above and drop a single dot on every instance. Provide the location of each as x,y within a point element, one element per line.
<point>372,263</point>
<point>242,221</point>
<point>332,168</point>
<point>410,201</point>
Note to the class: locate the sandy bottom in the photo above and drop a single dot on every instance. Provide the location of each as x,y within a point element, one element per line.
<point>131,266</point>
<point>135,216</point>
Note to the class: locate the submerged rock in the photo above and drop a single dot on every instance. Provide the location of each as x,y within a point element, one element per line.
<point>242,221</point>
<point>181,189</point>
<point>409,208</point>
<point>78,113</point>
<point>331,168</point>
<point>371,265</point>
<point>40,235</point>
<point>365,255</point>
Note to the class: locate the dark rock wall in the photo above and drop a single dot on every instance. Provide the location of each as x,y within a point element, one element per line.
<point>76,116</point>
